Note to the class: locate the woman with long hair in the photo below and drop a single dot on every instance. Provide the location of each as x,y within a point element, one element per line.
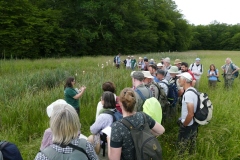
<point>72,95</point>
<point>212,75</point>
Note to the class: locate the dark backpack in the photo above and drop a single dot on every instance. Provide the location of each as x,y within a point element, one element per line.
<point>236,73</point>
<point>115,59</point>
<point>162,97</point>
<point>172,95</point>
<point>9,151</point>
<point>204,110</point>
<point>145,143</point>
<point>79,152</point>
<point>115,114</point>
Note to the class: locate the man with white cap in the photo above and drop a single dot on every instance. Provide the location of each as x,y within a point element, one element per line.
<point>197,70</point>
<point>148,81</point>
<point>188,128</point>
<point>160,66</point>
<point>138,85</point>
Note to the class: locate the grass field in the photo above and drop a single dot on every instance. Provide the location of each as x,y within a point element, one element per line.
<point>28,86</point>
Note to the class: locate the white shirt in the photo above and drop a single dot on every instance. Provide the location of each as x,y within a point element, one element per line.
<point>196,69</point>
<point>128,64</point>
<point>188,97</point>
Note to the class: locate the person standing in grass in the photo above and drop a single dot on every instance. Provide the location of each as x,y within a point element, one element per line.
<point>197,70</point>
<point>188,128</point>
<point>212,75</point>
<point>133,63</point>
<point>120,143</point>
<point>118,60</point>
<point>228,72</point>
<point>72,95</point>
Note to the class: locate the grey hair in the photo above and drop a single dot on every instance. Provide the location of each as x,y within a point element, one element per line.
<point>64,123</point>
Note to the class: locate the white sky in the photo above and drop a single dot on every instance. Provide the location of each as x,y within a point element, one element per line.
<point>205,11</point>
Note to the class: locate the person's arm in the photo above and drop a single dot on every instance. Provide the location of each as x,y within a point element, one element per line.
<point>113,153</point>
<point>91,152</point>
<point>190,108</point>
<point>101,122</point>
<point>158,129</point>
<point>237,68</point>
<point>82,90</point>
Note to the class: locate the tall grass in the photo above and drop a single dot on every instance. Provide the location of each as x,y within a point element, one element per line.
<point>28,87</point>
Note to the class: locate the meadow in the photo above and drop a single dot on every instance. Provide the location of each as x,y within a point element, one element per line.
<point>28,86</point>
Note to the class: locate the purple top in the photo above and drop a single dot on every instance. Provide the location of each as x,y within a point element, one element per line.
<point>102,121</point>
<point>47,139</point>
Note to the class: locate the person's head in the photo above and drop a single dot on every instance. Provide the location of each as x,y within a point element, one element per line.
<point>166,61</point>
<point>137,78</point>
<point>159,65</point>
<point>145,60</point>
<point>109,86</point>
<point>108,100</point>
<point>177,63</point>
<point>69,82</point>
<point>185,79</point>
<point>64,124</point>
<point>228,61</point>
<point>52,105</point>
<point>184,67</point>
<point>197,61</point>
<point>160,74</point>
<point>132,57</point>
<point>212,67</point>
<point>128,57</point>
<point>140,59</point>
<point>127,99</point>
<point>173,71</point>
<point>148,78</point>
<point>152,68</point>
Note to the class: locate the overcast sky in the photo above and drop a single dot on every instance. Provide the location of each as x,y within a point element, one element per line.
<point>205,11</point>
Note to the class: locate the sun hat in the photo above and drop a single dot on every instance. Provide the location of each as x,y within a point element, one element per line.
<point>198,59</point>
<point>160,71</point>
<point>50,107</point>
<point>128,56</point>
<point>167,59</point>
<point>132,73</point>
<point>173,69</point>
<point>159,64</point>
<point>147,74</point>
<point>186,75</point>
<point>138,75</point>
<point>140,58</point>
<point>177,61</point>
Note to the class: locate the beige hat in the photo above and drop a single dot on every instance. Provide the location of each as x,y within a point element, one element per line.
<point>140,58</point>
<point>159,64</point>
<point>50,107</point>
<point>173,69</point>
<point>147,74</point>
<point>186,75</point>
<point>167,59</point>
<point>177,61</point>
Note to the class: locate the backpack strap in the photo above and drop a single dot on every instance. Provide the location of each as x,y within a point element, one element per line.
<point>3,144</point>
<point>140,94</point>
<point>192,66</point>
<point>201,68</point>
<point>198,103</point>
<point>111,113</point>
<point>129,125</point>
<point>49,151</point>
<point>81,146</point>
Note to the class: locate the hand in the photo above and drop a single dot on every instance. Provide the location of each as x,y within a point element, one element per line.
<point>180,124</point>
<point>83,88</point>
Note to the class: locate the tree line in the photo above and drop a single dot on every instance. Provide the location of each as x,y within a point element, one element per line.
<point>57,28</point>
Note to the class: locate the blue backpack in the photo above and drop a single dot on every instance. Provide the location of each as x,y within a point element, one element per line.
<point>115,114</point>
<point>9,151</point>
<point>172,93</point>
<point>236,73</point>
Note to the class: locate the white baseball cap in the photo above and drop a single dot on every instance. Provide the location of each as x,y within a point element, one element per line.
<point>50,107</point>
<point>185,75</point>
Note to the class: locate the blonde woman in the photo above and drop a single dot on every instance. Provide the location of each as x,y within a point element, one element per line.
<point>65,127</point>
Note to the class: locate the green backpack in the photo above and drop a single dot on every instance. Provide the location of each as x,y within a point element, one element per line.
<point>145,143</point>
<point>79,152</point>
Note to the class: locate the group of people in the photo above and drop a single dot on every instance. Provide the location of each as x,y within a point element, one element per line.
<point>64,139</point>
